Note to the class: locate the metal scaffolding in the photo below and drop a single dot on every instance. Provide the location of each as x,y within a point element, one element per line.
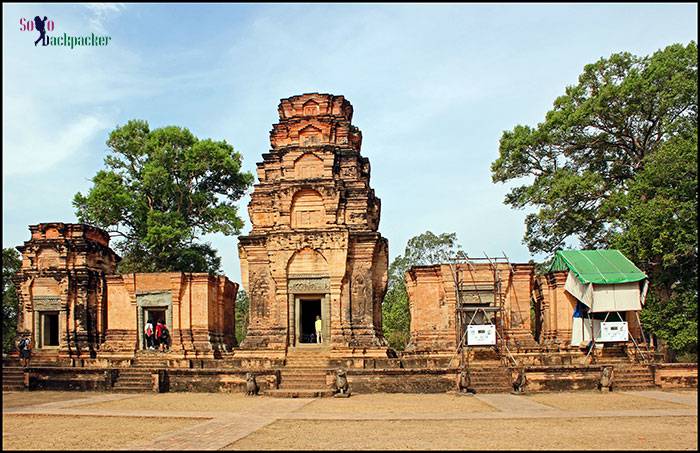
<point>490,311</point>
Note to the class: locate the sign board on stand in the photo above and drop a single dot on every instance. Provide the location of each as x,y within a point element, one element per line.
<point>481,335</point>
<point>613,331</point>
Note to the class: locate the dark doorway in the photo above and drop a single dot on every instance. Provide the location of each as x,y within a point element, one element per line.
<point>309,309</point>
<point>50,329</point>
<point>155,315</point>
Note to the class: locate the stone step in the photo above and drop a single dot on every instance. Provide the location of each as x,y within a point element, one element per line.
<point>298,386</point>
<point>304,371</point>
<point>303,378</point>
<point>12,379</point>
<point>300,393</point>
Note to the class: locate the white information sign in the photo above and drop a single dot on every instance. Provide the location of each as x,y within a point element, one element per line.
<point>481,335</point>
<point>613,331</point>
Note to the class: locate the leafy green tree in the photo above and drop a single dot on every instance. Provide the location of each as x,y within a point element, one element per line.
<point>11,263</point>
<point>613,164</point>
<point>659,231</point>
<point>424,249</point>
<point>242,307</point>
<point>161,190</point>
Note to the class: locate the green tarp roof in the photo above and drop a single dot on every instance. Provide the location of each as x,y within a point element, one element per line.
<point>597,266</point>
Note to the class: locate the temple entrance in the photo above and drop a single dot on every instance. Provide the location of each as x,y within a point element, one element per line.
<point>154,315</point>
<point>309,309</point>
<point>49,329</point>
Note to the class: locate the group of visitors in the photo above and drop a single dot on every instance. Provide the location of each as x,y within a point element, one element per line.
<point>157,338</point>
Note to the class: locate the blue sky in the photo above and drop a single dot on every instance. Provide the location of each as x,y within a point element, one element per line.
<point>433,88</point>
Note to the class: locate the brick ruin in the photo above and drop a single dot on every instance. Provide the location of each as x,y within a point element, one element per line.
<point>198,308</point>
<point>314,248</point>
<point>62,289</point>
<point>502,289</point>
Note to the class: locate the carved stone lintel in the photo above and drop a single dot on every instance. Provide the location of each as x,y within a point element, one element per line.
<point>46,303</point>
<point>309,285</point>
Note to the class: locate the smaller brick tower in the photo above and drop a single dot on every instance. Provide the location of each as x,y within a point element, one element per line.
<point>61,289</point>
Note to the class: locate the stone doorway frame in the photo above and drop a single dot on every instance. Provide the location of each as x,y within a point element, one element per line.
<point>162,300</point>
<point>42,305</point>
<point>308,287</point>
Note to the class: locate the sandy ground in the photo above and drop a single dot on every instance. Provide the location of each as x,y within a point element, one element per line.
<point>388,404</point>
<point>41,432</point>
<point>191,402</point>
<point>429,421</point>
<point>597,401</point>
<point>21,399</point>
<point>599,433</point>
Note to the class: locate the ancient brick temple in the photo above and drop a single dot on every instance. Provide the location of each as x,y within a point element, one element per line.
<point>314,249</point>
<point>62,290</point>
<point>197,308</point>
<point>499,291</point>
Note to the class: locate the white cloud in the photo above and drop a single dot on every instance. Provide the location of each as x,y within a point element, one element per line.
<point>101,12</point>
<point>35,144</point>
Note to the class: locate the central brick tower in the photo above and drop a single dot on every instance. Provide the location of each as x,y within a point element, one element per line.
<point>314,250</point>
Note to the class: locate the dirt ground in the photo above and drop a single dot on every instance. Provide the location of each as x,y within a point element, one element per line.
<point>377,421</point>
<point>397,404</point>
<point>21,399</point>
<point>627,433</point>
<point>597,401</point>
<point>50,432</point>
<point>191,402</point>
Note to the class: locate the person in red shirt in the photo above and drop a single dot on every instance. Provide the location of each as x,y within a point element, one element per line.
<point>159,334</point>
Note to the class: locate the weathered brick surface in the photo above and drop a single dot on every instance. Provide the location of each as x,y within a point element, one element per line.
<point>63,271</point>
<point>202,323</point>
<point>314,234</point>
<point>433,302</point>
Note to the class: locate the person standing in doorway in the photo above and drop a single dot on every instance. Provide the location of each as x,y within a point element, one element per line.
<point>165,339</point>
<point>159,333</point>
<point>318,325</point>
<point>148,331</point>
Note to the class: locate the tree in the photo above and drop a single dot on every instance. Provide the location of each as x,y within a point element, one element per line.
<point>659,231</point>
<point>242,304</point>
<point>613,165</point>
<point>161,190</point>
<point>11,263</point>
<point>424,249</point>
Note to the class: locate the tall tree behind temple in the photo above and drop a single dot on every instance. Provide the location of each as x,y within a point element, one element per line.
<point>161,190</point>
<point>426,248</point>
<point>614,164</point>
<point>11,263</point>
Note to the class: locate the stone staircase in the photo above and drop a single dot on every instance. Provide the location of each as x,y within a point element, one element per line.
<point>12,379</point>
<point>629,374</point>
<point>149,359</point>
<point>133,380</point>
<point>632,377</point>
<point>137,378</point>
<point>304,375</point>
<point>490,378</point>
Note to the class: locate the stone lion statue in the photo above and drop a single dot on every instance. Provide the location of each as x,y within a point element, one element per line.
<point>341,382</point>
<point>251,385</point>
<point>605,383</point>
<point>520,381</point>
<point>465,382</point>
